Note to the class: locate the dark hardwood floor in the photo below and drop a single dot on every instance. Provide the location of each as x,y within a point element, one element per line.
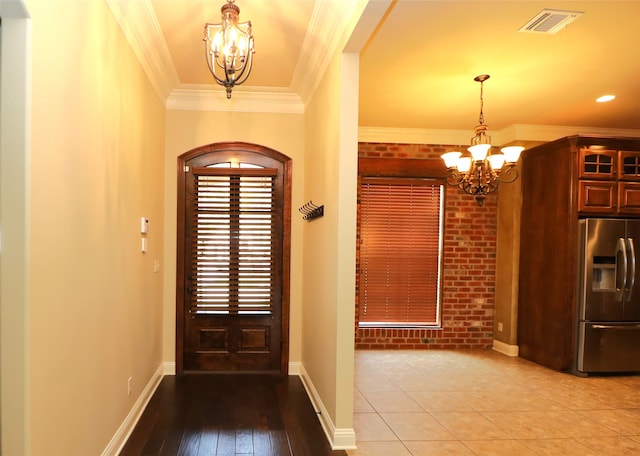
<point>228,414</point>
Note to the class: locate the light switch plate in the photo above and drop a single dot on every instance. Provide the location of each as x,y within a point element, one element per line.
<point>144,225</point>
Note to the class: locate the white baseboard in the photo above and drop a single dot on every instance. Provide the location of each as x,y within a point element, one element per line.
<point>126,428</point>
<point>294,367</point>
<point>169,368</point>
<point>340,439</point>
<point>505,349</point>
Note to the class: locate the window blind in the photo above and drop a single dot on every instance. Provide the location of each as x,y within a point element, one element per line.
<point>233,241</point>
<point>400,252</point>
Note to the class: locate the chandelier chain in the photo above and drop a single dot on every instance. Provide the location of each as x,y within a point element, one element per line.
<point>481,118</point>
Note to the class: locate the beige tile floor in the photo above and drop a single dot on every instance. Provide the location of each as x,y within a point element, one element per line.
<point>480,402</point>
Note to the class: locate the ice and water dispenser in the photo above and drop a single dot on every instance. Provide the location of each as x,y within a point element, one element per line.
<point>604,273</point>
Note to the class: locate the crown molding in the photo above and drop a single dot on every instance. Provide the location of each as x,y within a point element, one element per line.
<point>413,136</point>
<point>328,27</point>
<point>331,23</point>
<point>140,26</point>
<point>551,133</point>
<point>516,132</point>
<point>209,98</point>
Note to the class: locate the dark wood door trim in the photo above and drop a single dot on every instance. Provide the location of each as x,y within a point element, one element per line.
<point>243,152</point>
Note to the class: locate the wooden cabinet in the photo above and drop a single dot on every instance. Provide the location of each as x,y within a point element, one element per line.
<point>609,182</point>
<point>598,163</point>
<point>629,165</point>
<point>563,181</point>
<point>629,198</point>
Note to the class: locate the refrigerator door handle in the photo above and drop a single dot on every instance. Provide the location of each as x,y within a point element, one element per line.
<point>631,253</point>
<point>620,327</point>
<point>621,251</point>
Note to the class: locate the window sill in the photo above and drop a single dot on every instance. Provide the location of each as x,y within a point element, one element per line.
<point>398,326</point>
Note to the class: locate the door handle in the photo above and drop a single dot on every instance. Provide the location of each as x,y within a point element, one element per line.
<point>632,274</point>
<point>620,327</point>
<point>621,251</point>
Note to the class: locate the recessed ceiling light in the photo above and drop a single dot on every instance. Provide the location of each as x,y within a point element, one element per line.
<point>605,98</point>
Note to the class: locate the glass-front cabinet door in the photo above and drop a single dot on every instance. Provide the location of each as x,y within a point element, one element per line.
<point>598,163</point>
<point>629,165</point>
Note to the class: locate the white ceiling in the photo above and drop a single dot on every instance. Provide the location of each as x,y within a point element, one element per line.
<point>418,60</point>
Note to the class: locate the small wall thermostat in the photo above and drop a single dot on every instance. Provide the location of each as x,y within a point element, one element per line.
<point>144,225</point>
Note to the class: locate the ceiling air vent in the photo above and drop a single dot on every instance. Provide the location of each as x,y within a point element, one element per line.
<point>550,21</point>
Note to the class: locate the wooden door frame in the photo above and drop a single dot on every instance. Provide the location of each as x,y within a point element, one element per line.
<point>240,148</point>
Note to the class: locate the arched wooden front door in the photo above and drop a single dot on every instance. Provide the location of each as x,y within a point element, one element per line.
<point>234,212</point>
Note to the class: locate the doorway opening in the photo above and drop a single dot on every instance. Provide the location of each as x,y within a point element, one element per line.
<point>232,291</point>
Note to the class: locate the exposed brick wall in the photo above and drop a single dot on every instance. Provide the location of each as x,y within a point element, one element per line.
<point>468,268</point>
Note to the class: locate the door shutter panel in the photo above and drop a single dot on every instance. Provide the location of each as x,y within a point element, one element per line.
<point>233,241</point>
<point>400,252</point>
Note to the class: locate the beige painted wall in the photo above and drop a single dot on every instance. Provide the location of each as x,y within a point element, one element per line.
<point>14,165</point>
<point>507,263</point>
<point>507,259</point>
<point>329,242</point>
<point>187,130</point>
<point>94,303</point>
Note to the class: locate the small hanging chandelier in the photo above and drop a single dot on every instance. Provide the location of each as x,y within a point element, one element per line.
<point>481,172</point>
<point>229,48</point>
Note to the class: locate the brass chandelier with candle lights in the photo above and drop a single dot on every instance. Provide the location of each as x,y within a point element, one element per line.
<point>229,48</point>
<point>480,172</point>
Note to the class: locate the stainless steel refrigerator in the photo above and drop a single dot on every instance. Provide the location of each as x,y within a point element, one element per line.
<point>608,329</point>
